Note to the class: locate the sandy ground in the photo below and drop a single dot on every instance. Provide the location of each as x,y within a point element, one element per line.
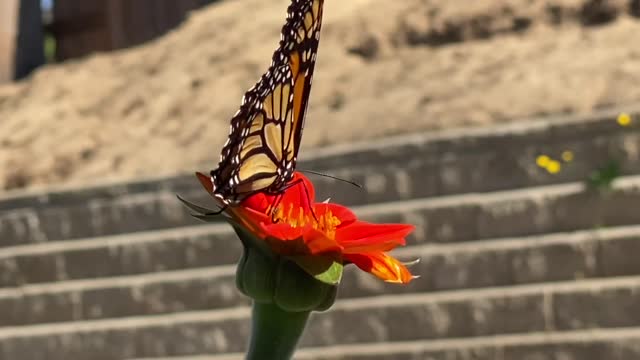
<point>385,67</point>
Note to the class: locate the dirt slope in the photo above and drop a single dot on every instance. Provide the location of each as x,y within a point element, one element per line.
<point>385,67</point>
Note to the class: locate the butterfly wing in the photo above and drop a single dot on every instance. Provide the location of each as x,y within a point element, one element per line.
<point>262,148</point>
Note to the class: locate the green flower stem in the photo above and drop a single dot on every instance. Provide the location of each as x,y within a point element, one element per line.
<point>275,332</point>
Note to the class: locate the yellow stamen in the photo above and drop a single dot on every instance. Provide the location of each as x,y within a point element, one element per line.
<point>326,223</point>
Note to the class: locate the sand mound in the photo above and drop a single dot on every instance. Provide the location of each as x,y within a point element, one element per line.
<point>385,67</point>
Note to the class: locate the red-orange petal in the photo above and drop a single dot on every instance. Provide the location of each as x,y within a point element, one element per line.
<point>282,231</point>
<point>301,192</point>
<point>383,266</point>
<point>287,240</point>
<point>258,202</point>
<point>344,214</point>
<point>318,242</point>
<point>205,181</point>
<point>366,237</point>
<point>249,214</point>
<point>315,241</point>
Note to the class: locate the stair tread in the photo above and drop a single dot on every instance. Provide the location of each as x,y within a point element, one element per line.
<point>627,182</point>
<point>598,120</point>
<point>538,338</point>
<point>344,305</point>
<point>416,166</point>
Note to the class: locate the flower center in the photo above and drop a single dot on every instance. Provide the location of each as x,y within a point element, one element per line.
<point>295,217</point>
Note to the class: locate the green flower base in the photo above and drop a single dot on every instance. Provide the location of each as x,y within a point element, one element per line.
<point>285,290</point>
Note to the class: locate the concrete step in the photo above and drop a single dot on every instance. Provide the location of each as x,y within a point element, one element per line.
<point>598,344</point>
<point>491,263</point>
<point>516,213</point>
<point>180,248</point>
<point>398,168</point>
<point>610,303</point>
<point>157,293</point>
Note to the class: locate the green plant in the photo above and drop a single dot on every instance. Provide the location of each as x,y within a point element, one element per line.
<point>49,48</point>
<point>602,178</point>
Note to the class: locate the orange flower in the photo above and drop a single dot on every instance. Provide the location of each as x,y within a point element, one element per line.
<point>292,224</point>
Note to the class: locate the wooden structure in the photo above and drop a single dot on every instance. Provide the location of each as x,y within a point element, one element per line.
<point>82,27</point>
<point>8,35</point>
<point>30,40</point>
<point>21,41</point>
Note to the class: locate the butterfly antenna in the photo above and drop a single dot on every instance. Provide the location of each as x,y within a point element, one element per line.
<point>333,177</point>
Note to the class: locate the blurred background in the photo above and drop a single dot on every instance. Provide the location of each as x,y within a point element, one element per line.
<point>505,130</point>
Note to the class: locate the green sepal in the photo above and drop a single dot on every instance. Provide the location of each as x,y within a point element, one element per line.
<point>240,270</point>
<point>257,269</point>
<point>296,290</point>
<point>325,268</point>
<point>258,275</point>
<point>329,299</point>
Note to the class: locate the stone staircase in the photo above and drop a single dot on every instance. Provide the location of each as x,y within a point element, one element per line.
<point>516,263</point>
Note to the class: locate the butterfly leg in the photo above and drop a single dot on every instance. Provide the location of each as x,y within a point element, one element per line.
<point>215,213</point>
<point>274,206</point>
<point>306,191</point>
<point>202,210</point>
<point>280,194</point>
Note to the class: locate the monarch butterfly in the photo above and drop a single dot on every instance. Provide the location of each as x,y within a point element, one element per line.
<point>261,151</point>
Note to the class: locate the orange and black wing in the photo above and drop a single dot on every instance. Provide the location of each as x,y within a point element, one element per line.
<point>262,148</point>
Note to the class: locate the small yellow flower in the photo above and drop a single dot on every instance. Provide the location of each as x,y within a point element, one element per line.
<point>567,156</point>
<point>542,161</point>
<point>553,167</point>
<point>624,119</point>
